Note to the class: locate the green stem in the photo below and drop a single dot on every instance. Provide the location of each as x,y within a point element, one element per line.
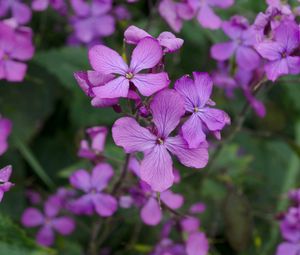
<point>33,162</point>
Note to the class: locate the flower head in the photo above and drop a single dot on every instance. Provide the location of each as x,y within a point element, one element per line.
<point>19,11</point>
<point>5,184</point>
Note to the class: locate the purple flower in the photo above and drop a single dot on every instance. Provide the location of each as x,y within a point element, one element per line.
<point>167,246</point>
<point>287,248</point>
<point>198,208</point>
<point>243,38</point>
<point>121,13</point>
<point>41,5</point>
<point>167,40</point>
<point>196,94</point>
<point>50,221</point>
<point>5,130</point>
<point>197,244</point>
<point>33,197</point>
<point>147,54</point>
<point>167,108</point>
<point>92,20</point>
<point>94,200</point>
<point>290,225</point>
<point>19,11</point>
<point>279,52</point>
<point>92,148</point>
<point>5,185</point>
<point>15,47</point>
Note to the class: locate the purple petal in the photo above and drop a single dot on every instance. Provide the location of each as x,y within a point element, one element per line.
<point>270,50</point>
<point>105,205</point>
<point>146,54</point>
<point>150,83</point>
<point>221,3</point>
<point>98,137</point>
<point>198,208</point>
<point>39,5</point>
<point>63,225</point>
<point>288,249</point>
<point>170,42</point>
<point>190,224</point>
<point>157,170</point>
<point>106,60</point>
<point>204,85</point>
<point>52,206</point>
<point>287,34</point>
<point>21,12</point>
<point>118,87</point>
<point>167,9</point>
<point>167,108</point>
<point>101,175</point>
<point>80,179</point>
<point>32,217</point>
<point>128,134</point>
<point>207,18</point>
<point>214,119</point>
<point>171,199</point>
<point>151,213</point>
<point>222,51</point>
<point>5,173</point>
<point>276,68</point>
<point>247,58</point>
<point>23,48</point>
<point>80,7</point>
<point>82,205</point>
<point>197,244</point>
<point>134,166</point>
<point>293,64</point>
<point>15,71</point>
<point>104,102</point>
<point>45,236</point>
<point>133,35</point>
<point>101,7</point>
<point>196,158</point>
<point>192,131</point>
<point>105,25</point>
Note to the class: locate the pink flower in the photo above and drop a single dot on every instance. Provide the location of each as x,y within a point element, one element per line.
<point>146,55</point>
<point>5,130</point>
<point>5,185</point>
<point>167,108</point>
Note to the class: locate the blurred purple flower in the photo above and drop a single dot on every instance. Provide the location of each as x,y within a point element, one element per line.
<point>5,184</point>
<point>58,5</point>
<point>167,246</point>
<point>18,10</point>
<point>287,248</point>
<point>147,54</point>
<point>197,244</point>
<point>34,197</point>
<point>243,38</point>
<point>196,94</point>
<point>121,12</point>
<point>50,221</point>
<point>94,200</point>
<point>5,130</point>
<point>167,108</point>
<point>280,52</point>
<point>15,47</point>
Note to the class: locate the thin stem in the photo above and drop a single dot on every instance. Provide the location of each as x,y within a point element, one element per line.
<point>122,176</point>
<point>33,162</point>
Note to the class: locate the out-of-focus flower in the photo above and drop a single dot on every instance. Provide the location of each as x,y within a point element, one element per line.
<point>243,38</point>
<point>41,5</point>
<point>196,94</point>
<point>147,54</point>
<point>15,47</point>
<point>49,222</point>
<point>167,40</point>
<point>280,52</point>
<point>34,197</point>
<point>94,199</point>
<point>5,184</point>
<point>17,9</point>
<point>167,109</point>
<point>121,12</point>
<point>5,130</point>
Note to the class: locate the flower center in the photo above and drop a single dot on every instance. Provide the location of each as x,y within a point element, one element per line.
<point>284,54</point>
<point>196,109</point>
<point>160,141</point>
<point>129,75</point>
<point>93,191</point>
<point>5,56</point>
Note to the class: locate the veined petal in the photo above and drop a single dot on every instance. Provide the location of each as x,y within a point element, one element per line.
<point>101,176</point>
<point>171,199</point>
<point>167,108</point>
<point>196,158</point>
<point>170,42</point>
<point>128,134</point>
<point>115,88</point>
<point>157,169</point>
<point>151,213</point>
<point>148,84</point>
<point>146,54</point>
<point>106,60</point>
<point>287,34</point>
<point>32,217</point>
<point>214,119</point>
<point>270,50</point>
<point>80,179</point>
<point>204,85</point>
<point>105,205</point>
<point>134,34</point>
<point>276,68</point>
<point>222,51</point>
<point>5,173</point>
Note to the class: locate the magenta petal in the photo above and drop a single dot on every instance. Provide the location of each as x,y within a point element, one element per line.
<point>52,206</point>
<point>171,199</point>
<point>40,5</point>
<point>134,166</point>
<point>148,84</point>
<point>190,224</point>
<point>192,131</point>
<point>104,102</point>
<point>157,169</point>
<point>214,119</point>
<point>133,35</point>
<point>15,71</point>
<point>293,64</point>
<point>45,236</point>
<point>270,50</point>
<point>146,54</point>
<point>247,58</point>
<point>207,18</point>
<point>80,7</point>
<point>288,249</point>
<point>276,69</point>
<point>128,134</point>
<point>106,60</point>
<point>5,173</point>
<point>151,213</point>
<point>21,12</point>
<point>170,42</point>
<point>222,51</point>
<point>32,217</point>
<point>105,25</point>
<point>118,87</point>
<point>167,108</point>
<point>204,86</point>
<point>63,225</point>
<point>98,136</point>
<point>197,244</point>
<point>221,3</point>
<point>101,176</point>
<point>196,158</point>
<point>287,34</point>
<point>105,205</point>
<point>80,179</point>
<point>167,9</point>
<point>82,205</point>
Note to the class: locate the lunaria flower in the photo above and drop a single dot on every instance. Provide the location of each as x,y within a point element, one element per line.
<point>280,53</point>
<point>5,130</point>
<point>15,47</point>
<point>146,55</point>
<point>167,109</point>
<point>19,11</point>
<point>5,184</point>
<point>196,94</point>
<point>167,40</point>
<point>92,147</point>
<point>243,38</point>
<point>49,222</point>
<point>94,199</point>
